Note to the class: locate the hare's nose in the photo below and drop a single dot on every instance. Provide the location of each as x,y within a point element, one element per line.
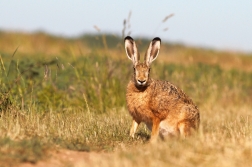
<point>141,81</point>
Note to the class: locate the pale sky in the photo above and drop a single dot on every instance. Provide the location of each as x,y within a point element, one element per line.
<point>222,24</point>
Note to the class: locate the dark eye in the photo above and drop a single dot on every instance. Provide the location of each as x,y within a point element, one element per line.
<point>149,69</point>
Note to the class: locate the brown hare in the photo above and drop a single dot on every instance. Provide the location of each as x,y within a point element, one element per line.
<point>164,108</point>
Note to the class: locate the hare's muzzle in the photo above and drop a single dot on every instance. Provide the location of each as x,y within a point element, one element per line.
<point>141,82</point>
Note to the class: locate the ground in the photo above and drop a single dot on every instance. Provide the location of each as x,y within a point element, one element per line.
<point>67,158</point>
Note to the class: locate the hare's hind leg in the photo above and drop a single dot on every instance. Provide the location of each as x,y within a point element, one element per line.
<point>186,128</point>
<point>133,128</point>
<point>191,120</point>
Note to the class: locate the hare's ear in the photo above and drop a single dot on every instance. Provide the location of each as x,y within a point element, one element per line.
<point>152,51</point>
<point>131,49</point>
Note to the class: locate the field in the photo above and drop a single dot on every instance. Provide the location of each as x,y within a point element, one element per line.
<point>62,103</point>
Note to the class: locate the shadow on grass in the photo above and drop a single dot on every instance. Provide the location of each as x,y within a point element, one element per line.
<point>143,136</point>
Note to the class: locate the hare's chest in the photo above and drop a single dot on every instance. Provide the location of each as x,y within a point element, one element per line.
<point>138,106</point>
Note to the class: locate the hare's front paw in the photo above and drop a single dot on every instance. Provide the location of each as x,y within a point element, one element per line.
<point>133,128</point>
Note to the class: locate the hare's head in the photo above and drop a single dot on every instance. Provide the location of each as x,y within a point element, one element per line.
<point>142,70</point>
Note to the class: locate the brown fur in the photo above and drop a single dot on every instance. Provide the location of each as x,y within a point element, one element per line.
<point>165,109</point>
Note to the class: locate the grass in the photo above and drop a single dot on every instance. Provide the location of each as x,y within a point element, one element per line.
<point>66,96</point>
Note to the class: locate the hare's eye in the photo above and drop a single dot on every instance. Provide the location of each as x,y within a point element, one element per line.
<point>149,69</point>
<point>134,70</point>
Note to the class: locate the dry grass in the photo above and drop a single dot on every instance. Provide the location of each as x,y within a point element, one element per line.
<point>224,139</point>
<point>40,43</point>
<point>226,60</point>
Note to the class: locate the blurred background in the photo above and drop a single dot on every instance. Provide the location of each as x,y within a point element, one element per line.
<point>222,25</point>
<point>63,52</point>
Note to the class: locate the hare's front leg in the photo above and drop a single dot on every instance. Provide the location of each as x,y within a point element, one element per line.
<point>133,128</point>
<point>155,130</point>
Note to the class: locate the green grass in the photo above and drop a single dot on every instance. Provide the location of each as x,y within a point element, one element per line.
<point>75,100</point>
<point>98,82</point>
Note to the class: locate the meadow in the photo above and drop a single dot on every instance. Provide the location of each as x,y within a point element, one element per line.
<point>69,94</point>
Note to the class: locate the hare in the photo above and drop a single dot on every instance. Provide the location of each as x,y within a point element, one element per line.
<point>164,108</point>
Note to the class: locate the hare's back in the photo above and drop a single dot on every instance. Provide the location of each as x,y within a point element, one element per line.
<point>166,96</point>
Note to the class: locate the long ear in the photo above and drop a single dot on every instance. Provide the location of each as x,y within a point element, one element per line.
<point>131,49</point>
<point>152,51</point>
